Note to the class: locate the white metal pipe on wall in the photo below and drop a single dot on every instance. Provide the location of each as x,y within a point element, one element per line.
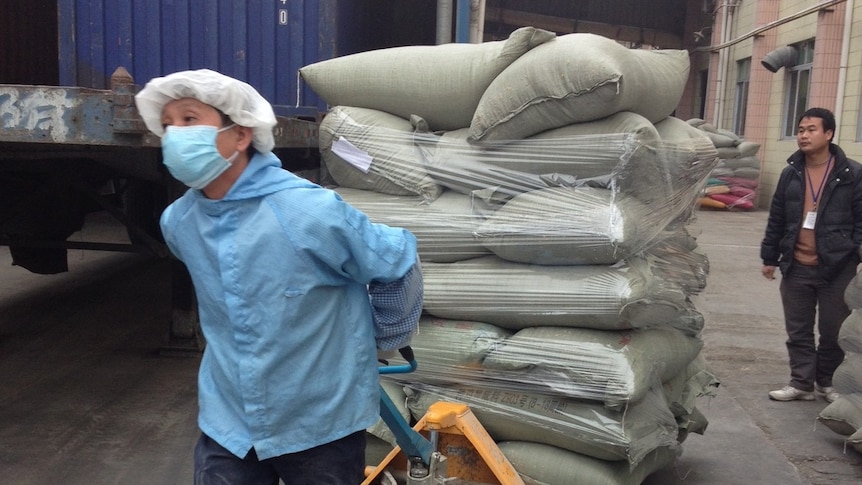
<point>444,21</point>
<point>771,25</point>
<point>842,68</point>
<point>720,89</point>
<point>477,21</point>
<point>719,74</point>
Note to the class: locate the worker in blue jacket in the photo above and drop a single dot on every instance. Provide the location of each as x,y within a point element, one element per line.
<point>297,291</point>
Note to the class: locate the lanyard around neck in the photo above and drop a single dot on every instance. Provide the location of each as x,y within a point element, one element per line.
<point>816,195</point>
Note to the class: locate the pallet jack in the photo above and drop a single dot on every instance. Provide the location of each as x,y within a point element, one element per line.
<point>471,457</point>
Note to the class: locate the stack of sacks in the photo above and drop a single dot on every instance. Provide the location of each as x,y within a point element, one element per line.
<point>844,416</point>
<point>442,84</point>
<point>734,181</point>
<point>662,165</point>
<point>551,226</point>
<point>618,399</point>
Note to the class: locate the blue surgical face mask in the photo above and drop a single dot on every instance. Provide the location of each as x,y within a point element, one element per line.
<point>191,155</point>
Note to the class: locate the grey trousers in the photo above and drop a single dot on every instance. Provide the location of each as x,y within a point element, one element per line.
<point>805,295</point>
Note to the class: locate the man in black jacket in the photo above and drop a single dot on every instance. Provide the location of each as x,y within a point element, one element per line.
<point>813,235</point>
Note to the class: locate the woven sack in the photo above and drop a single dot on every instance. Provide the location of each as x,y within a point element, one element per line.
<point>626,435</point>
<point>496,172</point>
<point>853,293</point>
<point>672,259</point>
<point>717,189</point>
<point>710,203</point>
<point>441,83</point>
<point>747,172</point>
<point>740,191</point>
<point>695,422</point>
<point>727,152</point>
<point>452,351</point>
<point>395,163</point>
<point>548,465</point>
<point>847,378</point>
<point>376,449</point>
<point>585,150</point>
<point>576,78</point>
<point>742,162</point>
<point>515,296</point>
<point>443,228</point>
<point>733,201</point>
<point>741,181</point>
<point>850,334</point>
<point>669,177</point>
<point>748,148</point>
<point>844,415</point>
<point>613,367</point>
<point>722,171</point>
<point>683,389</point>
<point>567,226</point>
<point>722,140</point>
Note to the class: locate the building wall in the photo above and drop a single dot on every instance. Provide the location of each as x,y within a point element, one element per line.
<point>767,91</point>
<point>851,125</point>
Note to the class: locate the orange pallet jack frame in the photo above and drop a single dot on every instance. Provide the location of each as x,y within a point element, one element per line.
<point>470,455</point>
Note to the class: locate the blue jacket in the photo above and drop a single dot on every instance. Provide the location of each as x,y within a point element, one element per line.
<point>281,269</point>
<point>838,231</point>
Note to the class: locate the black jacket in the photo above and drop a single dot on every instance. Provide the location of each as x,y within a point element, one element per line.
<point>838,231</point>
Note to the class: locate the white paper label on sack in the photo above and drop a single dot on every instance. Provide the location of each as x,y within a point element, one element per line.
<point>351,154</point>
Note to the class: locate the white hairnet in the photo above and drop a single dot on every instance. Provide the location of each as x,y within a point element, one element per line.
<point>241,102</point>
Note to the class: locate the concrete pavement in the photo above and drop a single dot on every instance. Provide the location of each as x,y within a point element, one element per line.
<point>750,438</point>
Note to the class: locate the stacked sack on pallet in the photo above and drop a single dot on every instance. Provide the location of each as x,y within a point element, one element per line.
<point>733,183</point>
<point>844,415</point>
<point>549,191</point>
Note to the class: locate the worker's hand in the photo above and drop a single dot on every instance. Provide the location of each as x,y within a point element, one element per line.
<point>768,272</point>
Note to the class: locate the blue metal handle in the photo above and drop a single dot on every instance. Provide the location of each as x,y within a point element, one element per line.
<point>398,369</point>
<point>407,354</point>
<point>411,442</point>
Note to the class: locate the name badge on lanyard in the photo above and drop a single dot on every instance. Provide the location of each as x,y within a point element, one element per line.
<point>810,220</point>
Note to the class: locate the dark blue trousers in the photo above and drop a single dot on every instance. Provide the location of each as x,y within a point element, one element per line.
<point>341,462</point>
<point>806,296</point>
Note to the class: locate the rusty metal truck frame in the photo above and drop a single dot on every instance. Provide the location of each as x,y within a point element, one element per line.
<point>93,143</point>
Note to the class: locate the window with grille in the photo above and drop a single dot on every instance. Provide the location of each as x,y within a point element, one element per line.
<point>798,84</point>
<point>743,74</point>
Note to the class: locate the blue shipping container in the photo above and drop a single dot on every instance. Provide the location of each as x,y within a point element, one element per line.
<point>263,42</point>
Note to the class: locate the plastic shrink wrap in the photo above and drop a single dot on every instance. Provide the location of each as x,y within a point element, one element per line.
<point>554,237</point>
<point>610,367</point>
<point>569,289</point>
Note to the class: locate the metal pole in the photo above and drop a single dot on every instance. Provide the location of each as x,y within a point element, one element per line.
<point>444,21</point>
<point>477,21</point>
